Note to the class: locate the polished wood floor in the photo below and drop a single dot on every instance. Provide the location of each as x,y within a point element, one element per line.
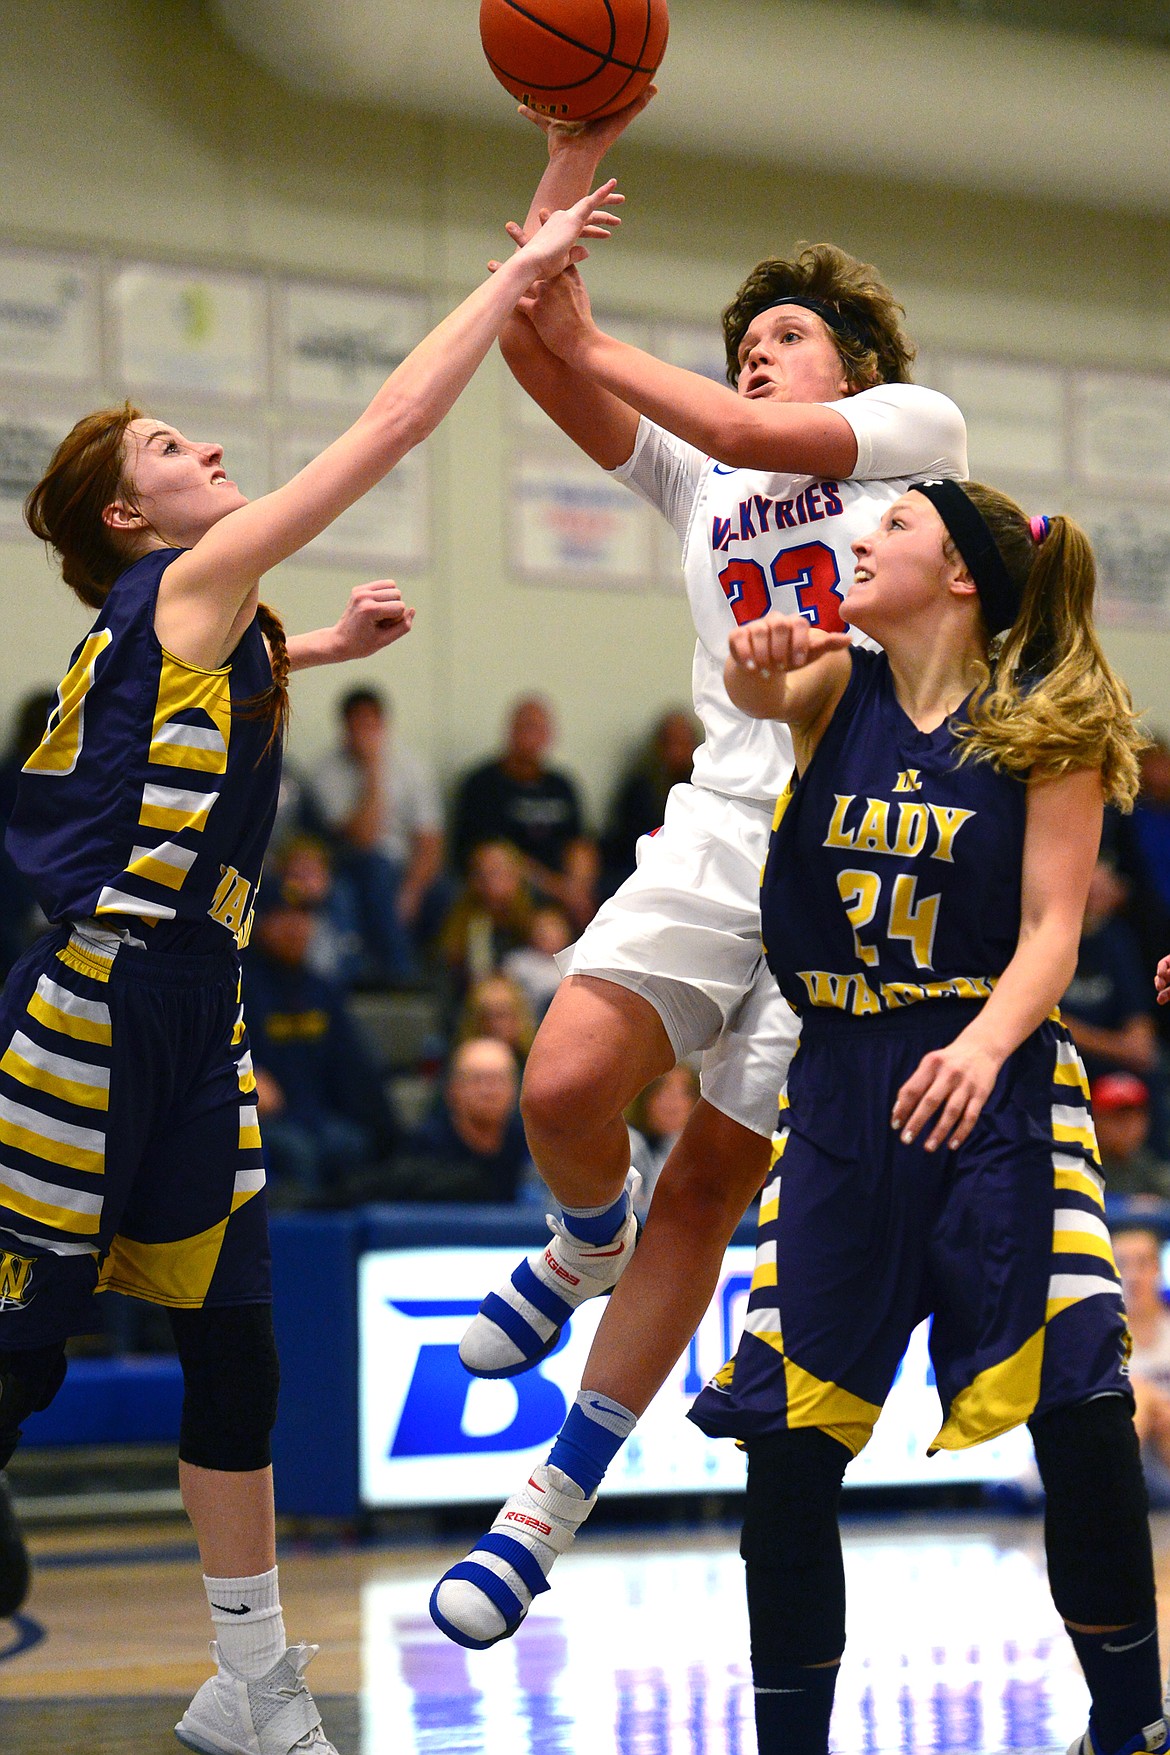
<point>638,1650</point>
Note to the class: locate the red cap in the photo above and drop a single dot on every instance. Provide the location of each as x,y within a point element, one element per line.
<point>1118,1090</point>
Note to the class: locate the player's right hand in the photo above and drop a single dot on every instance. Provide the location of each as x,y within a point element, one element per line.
<point>588,138</point>
<point>556,245</point>
<point>782,643</point>
<point>1162,981</point>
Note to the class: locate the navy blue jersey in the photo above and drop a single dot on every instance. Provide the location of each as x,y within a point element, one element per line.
<point>148,797</point>
<point>893,874</point>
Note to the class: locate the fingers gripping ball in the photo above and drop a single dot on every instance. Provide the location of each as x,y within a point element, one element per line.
<point>574,60</point>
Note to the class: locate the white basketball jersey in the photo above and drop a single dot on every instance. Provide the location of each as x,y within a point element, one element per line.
<point>754,542</point>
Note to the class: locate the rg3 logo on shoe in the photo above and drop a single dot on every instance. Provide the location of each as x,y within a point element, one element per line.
<point>562,1273</point>
<point>531,1523</point>
<point>15,1273</point>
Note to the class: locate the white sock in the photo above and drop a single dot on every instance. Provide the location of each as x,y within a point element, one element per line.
<point>249,1626</point>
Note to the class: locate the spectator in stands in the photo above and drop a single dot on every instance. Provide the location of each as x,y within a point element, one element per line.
<point>304,872</point>
<point>656,1119</point>
<point>19,915</point>
<point>324,1113</point>
<point>471,1147</point>
<point>1109,1005</point>
<point>1138,1253</point>
<point>498,1007</point>
<point>518,797</point>
<point>533,966</point>
<point>639,804</point>
<point>1121,1115</point>
<point>381,805</point>
<point>492,914</point>
<point>1152,816</point>
<point>296,810</point>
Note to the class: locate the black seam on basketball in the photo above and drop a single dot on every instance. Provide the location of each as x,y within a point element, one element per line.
<point>607,59</point>
<point>524,80</point>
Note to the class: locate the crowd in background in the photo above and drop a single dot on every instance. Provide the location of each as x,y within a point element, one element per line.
<point>380,897</point>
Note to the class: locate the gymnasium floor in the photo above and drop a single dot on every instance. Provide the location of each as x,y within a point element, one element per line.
<point>639,1649</point>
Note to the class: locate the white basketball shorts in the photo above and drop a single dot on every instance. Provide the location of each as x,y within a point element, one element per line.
<point>684,932</point>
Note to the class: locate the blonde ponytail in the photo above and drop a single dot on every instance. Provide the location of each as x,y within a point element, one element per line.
<point>1051,701</point>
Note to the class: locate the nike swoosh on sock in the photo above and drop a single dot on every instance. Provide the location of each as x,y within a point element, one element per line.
<point>1133,1645</point>
<point>223,1608</point>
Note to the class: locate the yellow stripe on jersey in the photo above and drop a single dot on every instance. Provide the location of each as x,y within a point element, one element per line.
<point>181,689</point>
<point>1072,1126</point>
<point>43,1136</point>
<point>60,747</point>
<point>249,1127</point>
<point>247,1183</point>
<point>74,1081</point>
<point>1077,1178</point>
<point>765,1268</point>
<point>65,1209</point>
<point>246,1074</point>
<point>1075,1232</point>
<point>1069,1070</point>
<point>112,901</point>
<point>86,1020</point>
<point>166,864</point>
<point>175,808</point>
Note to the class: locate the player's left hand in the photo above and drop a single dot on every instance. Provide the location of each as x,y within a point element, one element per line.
<point>958,1079</point>
<point>1162,981</point>
<point>374,617</point>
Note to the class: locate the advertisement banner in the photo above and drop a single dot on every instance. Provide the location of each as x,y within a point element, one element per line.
<point>431,1434</point>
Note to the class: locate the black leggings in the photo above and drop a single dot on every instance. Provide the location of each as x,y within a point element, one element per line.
<point>1096,1531</point>
<point>230,1383</point>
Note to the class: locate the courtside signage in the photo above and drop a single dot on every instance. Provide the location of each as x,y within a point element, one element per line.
<point>431,1434</point>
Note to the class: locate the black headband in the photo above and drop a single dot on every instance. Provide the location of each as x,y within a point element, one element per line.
<point>968,530</point>
<point>837,321</point>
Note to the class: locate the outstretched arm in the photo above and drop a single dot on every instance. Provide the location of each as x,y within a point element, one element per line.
<point>601,424</point>
<point>807,438</point>
<point>1061,837</point>
<point>206,591</point>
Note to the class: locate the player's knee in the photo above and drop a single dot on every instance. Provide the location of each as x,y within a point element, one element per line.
<point>791,1545</point>
<point>559,1098</point>
<point>29,1379</point>
<point>1100,1561</point>
<point>231,1378</point>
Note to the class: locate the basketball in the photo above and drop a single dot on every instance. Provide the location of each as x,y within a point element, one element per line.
<point>574,60</point>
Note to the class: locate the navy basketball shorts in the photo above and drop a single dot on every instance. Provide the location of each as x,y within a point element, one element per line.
<point>130,1153</point>
<point>1002,1243</point>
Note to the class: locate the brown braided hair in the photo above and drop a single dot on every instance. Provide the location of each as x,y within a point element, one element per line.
<point>65,509</point>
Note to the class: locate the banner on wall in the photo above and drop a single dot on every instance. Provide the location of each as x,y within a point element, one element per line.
<point>340,344</point>
<point>181,329</point>
<point>49,322</point>
<point>431,1434</point>
<point>572,525</point>
<point>28,438</point>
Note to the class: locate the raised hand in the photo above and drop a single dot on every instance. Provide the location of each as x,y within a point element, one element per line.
<point>589,139</point>
<point>374,617</point>
<point>779,643</point>
<point>557,243</point>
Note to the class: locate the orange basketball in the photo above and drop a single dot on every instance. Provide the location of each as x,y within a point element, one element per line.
<point>574,59</point>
